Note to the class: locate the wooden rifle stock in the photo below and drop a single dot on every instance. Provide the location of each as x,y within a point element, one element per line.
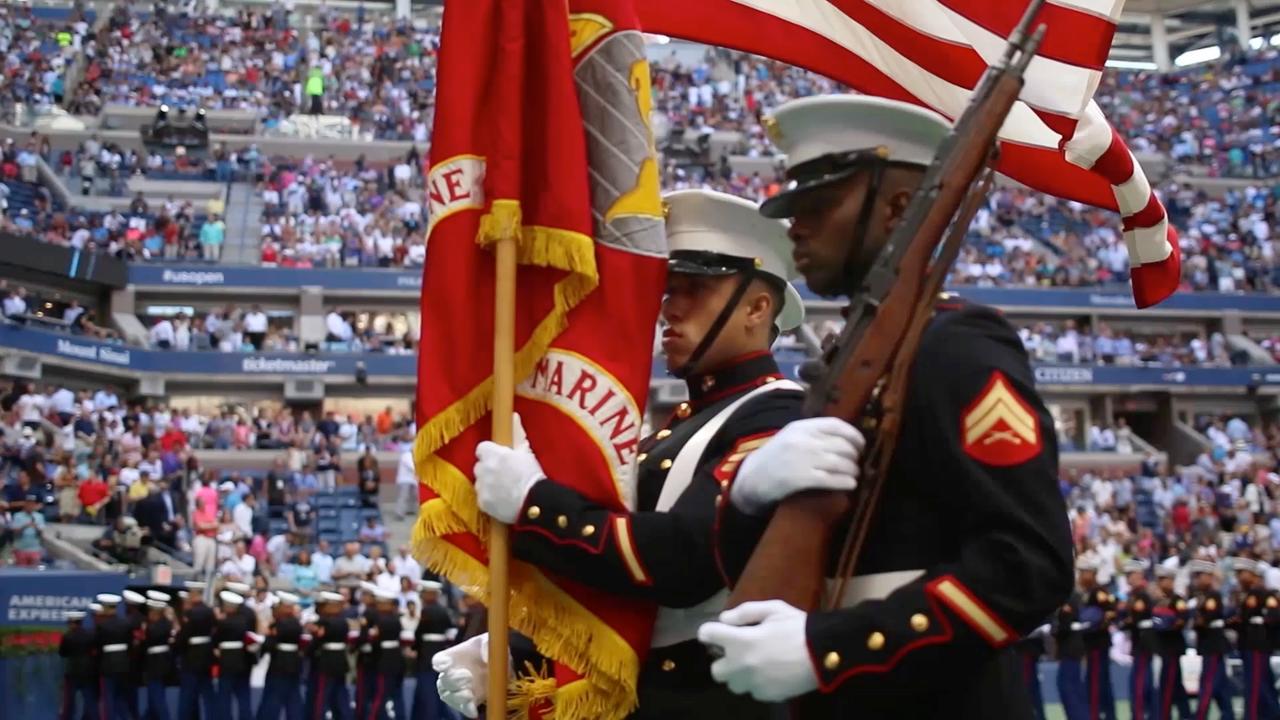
<point>868,364</point>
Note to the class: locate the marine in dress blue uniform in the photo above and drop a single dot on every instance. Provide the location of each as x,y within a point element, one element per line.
<point>1211,641</point>
<point>157,658</point>
<point>135,613</point>
<point>1138,620</point>
<point>80,669</point>
<point>329,660</point>
<point>365,675</point>
<point>1098,610</point>
<point>1255,611</point>
<point>435,632</point>
<point>235,661</point>
<point>1030,649</point>
<point>1068,633</point>
<point>114,638</point>
<point>283,645</point>
<point>194,648</point>
<point>1171,644</point>
<point>970,548</point>
<point>387,664</point>
<point>728,297</point>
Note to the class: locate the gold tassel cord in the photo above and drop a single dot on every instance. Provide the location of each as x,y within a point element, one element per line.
<point>559,627</point>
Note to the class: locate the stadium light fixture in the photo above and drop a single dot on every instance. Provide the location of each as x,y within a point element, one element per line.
<point>1197,56</point>
<point>1131,65</point>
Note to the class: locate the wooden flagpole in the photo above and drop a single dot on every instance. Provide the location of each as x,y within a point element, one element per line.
<point>504,387</point>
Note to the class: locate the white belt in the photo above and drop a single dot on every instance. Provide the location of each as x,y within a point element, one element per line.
<point>1256,620</point>
<point>434,637</point>
<point>677,625</point>
<point>876,586</point>
<point>231,645</point>
<point>388,644</point>
<point>115,647</point>
<point>334,646</point>
<point>157,649</point>
<point>1217,624</point>
<point>1146,624</point>
<point>287,647</point>
<point>199,640</point>
<point>366,648</point>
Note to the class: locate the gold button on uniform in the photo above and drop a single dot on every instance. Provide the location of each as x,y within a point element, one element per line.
<point>684,410</point>
<point>641,457</point>
<point>588,530</point>
<point>875,641</point>
<point>562,521</point>
<point>668,665</point>
<point>663,434</point>
<point>831,661</point>
<point>533,512</point>
<point>919,622</point>
<point>665,464</point>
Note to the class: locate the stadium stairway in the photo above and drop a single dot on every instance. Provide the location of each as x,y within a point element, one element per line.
<point>242,244</point>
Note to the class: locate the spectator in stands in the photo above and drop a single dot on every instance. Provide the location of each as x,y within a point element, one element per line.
<point>322,561</point>
<point>406,566</point>
<point>204,544</point>
<point>212,236</point>
<point>373,531</point>
<point>351,568</point>
<point>406,485</point>
<point>367,474</point>
<point>300,516</point>
<point>241,565</point>
<point>27,526</point>
<point>161,334</point>
<point>305,577</point>
<point>242,514</point>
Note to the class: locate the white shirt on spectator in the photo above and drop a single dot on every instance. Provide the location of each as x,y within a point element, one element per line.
<point>105,400</point>
<point>407,566</point>
<point>32,406</point>
<point>162,332</point>
<point>151,469</point>
<point>242,514</point>
<point>63,401</point>
<point>14,305</point>
<point>405,473</point>
<point>337,326</point>
<point>255,322</point>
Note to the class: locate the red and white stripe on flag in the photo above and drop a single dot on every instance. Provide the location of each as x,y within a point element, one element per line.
<point>933,53</point>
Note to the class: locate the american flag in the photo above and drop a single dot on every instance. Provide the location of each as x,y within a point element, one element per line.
<point>933,53</point>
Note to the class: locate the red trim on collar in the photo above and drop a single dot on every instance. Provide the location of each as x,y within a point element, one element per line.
<point>722,394</point>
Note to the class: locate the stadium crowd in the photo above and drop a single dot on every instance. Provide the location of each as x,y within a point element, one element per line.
<point>89,457</point>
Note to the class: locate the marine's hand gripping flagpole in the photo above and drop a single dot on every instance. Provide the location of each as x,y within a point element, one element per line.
<point>504,387</point>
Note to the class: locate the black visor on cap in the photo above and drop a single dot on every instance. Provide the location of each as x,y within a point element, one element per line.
<point>702,262</point>
<point>822,170</point>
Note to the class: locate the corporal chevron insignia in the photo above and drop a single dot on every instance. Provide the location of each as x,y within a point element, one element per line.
<point>744,447</point>
<point>1000,428</point>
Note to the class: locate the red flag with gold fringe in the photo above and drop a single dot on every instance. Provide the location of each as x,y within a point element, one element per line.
<point>542,135</point>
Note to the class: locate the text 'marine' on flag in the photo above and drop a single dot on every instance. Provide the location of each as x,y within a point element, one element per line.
<point>542,135</point>
<point>933,53</point>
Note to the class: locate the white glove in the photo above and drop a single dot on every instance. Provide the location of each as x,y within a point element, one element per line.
<point>463,682</point>
<point>764,649</point>
<point>1078,626</point>
<point>504,475</point>
<point>812,454</point>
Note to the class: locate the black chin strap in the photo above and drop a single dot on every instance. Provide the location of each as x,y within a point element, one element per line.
<point>852,273</point>
<point>691,366</point>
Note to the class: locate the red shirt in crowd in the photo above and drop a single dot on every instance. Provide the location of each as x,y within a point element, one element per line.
<point>93,491</point>
<point>173,440</point>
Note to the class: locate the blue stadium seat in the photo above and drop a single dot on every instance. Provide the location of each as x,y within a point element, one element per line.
<point>327,512</point>
<point>325,501</point>
<point>327,525</point>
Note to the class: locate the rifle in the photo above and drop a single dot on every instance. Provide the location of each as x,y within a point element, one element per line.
<point>868,367</point>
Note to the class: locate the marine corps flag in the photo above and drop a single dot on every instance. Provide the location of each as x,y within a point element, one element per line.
<point>542,135</point>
